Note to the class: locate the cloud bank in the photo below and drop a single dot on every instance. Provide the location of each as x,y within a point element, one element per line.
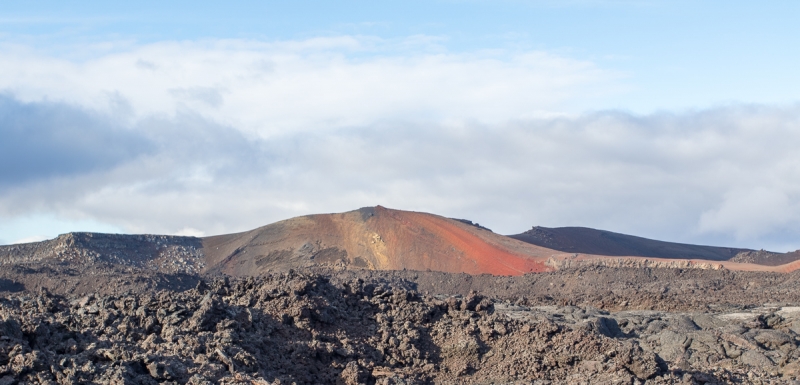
<point>268,89</point>
<point>206,138</point>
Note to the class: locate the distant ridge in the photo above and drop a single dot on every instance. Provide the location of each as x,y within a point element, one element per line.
<point>585,240</point>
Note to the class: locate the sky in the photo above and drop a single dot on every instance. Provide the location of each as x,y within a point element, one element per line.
<point>674,120</point>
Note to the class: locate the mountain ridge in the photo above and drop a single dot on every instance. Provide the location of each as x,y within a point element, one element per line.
<point>584,240</point>
<point>379,238</point>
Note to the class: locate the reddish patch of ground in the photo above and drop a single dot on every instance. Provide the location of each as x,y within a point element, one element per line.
<point>471,253</point>
<point>789,267</point>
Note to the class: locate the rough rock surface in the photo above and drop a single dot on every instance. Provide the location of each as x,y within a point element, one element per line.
<point>612,289</point>
<point>768,258</point>
<point>308,328</point>
<point>163,253</point>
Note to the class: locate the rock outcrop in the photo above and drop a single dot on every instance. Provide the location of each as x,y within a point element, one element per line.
<point>164,253</point>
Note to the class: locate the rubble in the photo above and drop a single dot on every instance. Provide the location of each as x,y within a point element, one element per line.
<point>307,328</point>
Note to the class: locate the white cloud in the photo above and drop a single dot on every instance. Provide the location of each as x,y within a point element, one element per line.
<point>237,134</point>
<point>319,83</point>
<point>724,176</point>
<point>752,212</point>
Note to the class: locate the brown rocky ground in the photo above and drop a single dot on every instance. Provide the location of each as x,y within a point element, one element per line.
<point>588,325</point>
<point>361,305</point>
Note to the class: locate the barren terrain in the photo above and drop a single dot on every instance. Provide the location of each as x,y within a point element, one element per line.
<point>581,240</point>
<point>355,327</point>
<point>380,296</point>
<point>374,238</point>
<point>377,238</point>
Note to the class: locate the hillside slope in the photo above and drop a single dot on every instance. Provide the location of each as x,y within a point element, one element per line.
<point>590,241</point>
<point>374,238</point>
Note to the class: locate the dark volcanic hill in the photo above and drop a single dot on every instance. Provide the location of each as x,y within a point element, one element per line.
<point>599,242</point>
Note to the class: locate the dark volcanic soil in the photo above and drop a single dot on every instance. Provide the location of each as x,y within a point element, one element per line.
<point>600,242</point>
<point>602,326</point>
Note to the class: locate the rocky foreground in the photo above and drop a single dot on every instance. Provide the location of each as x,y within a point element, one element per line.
<point>288,328</point>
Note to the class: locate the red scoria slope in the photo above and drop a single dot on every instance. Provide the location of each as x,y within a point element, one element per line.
<point>374,238</point>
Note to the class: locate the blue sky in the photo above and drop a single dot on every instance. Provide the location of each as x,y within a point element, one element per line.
<point>673,54</point>
<point>675,120</point>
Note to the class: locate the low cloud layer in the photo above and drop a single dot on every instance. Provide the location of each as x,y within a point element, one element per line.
<point>215,137</point>
<point>726,176</point>
<point>267,89</point>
